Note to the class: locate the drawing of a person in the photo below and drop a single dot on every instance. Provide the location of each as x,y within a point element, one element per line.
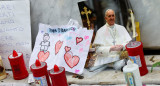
<point>45,43</point>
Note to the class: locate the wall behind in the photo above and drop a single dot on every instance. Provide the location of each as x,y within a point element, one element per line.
<point>147,13</point>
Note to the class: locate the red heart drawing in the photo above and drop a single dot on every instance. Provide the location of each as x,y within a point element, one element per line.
<point>67,48</point>
<point>58,46</point>
<point>43,56</point>
<point>71,60</point>
<point>78,39</point>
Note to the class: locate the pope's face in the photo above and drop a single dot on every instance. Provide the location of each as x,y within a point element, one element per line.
<point>110,17</point>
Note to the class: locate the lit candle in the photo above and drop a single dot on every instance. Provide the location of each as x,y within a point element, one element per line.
<point>135,53</point>
<point>58,76</point>
<point>18,66</point>
<point>39,70</point>
<point>132,75</point>
<point>2,70</point>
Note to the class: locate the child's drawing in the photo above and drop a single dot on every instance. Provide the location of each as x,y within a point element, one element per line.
<point>65,46</point>
<point>44,53</point>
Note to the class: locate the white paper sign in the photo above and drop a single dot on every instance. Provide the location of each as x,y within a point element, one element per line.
<point>15,30</point>
<point>64,46</point>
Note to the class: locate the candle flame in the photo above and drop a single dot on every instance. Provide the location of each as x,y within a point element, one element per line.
<point>14,53</point>
<point>38,63</point>
<point>56,68</point>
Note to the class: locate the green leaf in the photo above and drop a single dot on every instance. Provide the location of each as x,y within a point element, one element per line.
<point>155,65</point>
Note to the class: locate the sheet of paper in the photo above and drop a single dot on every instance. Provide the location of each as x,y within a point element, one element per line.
<point>65,46</point>
<point>15,31</point>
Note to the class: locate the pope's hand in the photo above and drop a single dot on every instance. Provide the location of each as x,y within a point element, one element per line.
<point>116,48</point>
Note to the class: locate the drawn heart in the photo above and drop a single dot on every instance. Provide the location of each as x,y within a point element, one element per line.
<point>80,50</point>
<point>43,56</point>
<point>76,71</point>
<point>88,42</point>
<point>86,37</point>
<point>78,39</point>
<point>71,61</point>
<point>67,48</point>
<point>58,46</point>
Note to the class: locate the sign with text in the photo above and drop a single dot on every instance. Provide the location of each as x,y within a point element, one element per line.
<point>15,30</point>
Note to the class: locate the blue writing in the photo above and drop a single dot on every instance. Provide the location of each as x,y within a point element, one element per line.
<point>9,7</point>
<point>5,38</point>
<point>6,14</point>
<point>61,30</point>
<point>2,7</point>
<point>2,30</point>
<point>5,6</point>
<point>52,30</point>
<point>64,30</point>
<point>5,44</point>
<point>10,21</point>
<point>6,10</point>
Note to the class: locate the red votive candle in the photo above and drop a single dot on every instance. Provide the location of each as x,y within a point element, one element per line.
<point>18,66</point>
<point>135,52</point>
<point>39,70</point>
<point>58,76</point>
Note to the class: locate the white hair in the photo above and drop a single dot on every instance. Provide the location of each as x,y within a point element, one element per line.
<point>107,11</point>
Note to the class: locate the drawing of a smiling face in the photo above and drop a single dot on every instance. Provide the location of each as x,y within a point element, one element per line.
<point>1,69</point>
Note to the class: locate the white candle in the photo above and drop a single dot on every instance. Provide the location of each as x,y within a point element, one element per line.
<point>132,75</point>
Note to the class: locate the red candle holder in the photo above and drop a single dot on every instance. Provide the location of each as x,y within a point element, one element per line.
<point>18,66</point>
<point>39,70</point>
<point>135,53</point>
<point>58,76</point>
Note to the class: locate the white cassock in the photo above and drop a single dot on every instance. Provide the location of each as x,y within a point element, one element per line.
<point>106,37</point>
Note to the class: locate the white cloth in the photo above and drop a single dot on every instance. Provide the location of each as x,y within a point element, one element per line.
<point>104,38</point>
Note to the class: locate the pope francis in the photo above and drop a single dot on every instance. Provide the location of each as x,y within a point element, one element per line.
<point>110,40</point>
